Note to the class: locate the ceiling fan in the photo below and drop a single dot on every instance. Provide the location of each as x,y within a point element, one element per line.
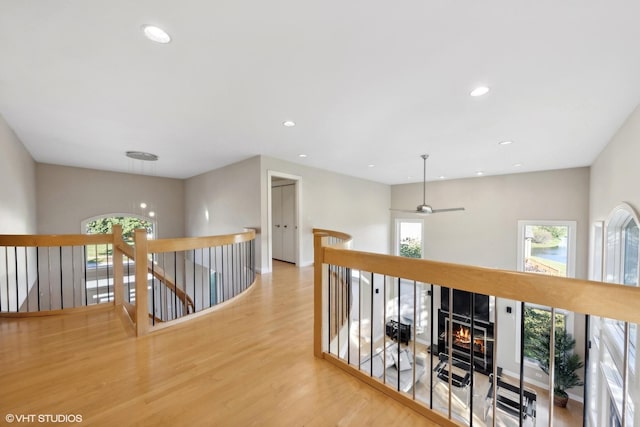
<point>425,209</point>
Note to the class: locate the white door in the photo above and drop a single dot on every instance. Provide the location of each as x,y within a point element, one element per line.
<point>288,223</point>
<point>276,222</point>
<point>283,223</point>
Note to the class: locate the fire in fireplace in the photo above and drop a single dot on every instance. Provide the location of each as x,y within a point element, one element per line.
<point>462,338</point>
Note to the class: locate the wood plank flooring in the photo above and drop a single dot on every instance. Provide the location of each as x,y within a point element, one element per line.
<point>249,363</point>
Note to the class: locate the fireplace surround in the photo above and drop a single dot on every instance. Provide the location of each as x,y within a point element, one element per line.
<point>467,346</point>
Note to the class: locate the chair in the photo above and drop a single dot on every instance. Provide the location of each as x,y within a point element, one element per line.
<point>460,381</point>
<point>508,400</point>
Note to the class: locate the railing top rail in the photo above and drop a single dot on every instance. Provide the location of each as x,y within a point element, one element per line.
<point>188,243</point>
<point>582,296</point>
<point>332,233</point>
<point>42,240</point>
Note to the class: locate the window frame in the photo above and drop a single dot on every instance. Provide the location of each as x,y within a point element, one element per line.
<point>396,238</point>
<point>571,262</point>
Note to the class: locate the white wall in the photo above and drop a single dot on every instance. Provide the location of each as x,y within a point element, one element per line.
<point>615,175</point>
<point>68,195</point>
<point>17,212</point>
<point>615,178</point>
<point>486,233</point>
<point>17,185</point>
<point>333,201</point>
<point>224,200</point>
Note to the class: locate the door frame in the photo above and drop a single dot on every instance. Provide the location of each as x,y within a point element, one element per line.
<point>297,182</point>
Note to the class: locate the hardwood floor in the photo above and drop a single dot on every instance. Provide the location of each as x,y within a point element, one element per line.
<point>249,363</point>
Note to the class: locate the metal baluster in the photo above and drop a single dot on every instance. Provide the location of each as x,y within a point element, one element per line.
<point>329,308</point>
<point>399,335</point>
<point>521,379</point>
<point>552,366</point>
<point>109,291</point>
<point>84,267</point>
<point>413,332</point>
<point>625,374</point>
<point>431,348</point>
<point>450,345</point>
<point>222,275</point>
<point>15,256</point>
<point>472,333</point>
<point>494,403</point>
<point>38,274</point>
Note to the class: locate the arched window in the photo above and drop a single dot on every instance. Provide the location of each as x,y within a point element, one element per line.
<point>613,360</point>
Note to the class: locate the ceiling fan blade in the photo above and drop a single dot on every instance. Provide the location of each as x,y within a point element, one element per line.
<point>447,210</point>
<point>406,211</point>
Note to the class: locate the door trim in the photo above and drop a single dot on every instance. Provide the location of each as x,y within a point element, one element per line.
<point>298,209</point>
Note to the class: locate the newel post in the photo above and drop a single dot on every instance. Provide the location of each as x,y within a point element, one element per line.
<point>142,295</point>
<point>318,267</point>
<point>118,269</point>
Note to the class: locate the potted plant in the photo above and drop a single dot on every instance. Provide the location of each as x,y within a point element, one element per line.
<point>566,363</point>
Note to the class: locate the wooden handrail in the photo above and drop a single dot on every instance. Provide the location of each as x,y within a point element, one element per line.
<point>189,243</point>
<point>32,240</point>
<point>581,296</point>
<point>138,313</point>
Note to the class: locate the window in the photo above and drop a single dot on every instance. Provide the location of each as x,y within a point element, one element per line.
<point>544,247</point>
<point>608,336</point>
<point>409,238</point>
<point>98,255</point>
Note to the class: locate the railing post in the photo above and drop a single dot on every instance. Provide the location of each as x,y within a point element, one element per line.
<point>118,269</point>
<point>317,294</point>
<point>142,296</point>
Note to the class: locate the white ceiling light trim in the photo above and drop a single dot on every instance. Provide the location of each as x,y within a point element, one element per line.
<point>156,34</point>
<point>479,91</point>
<point>141,155</point>
<point>288,123</point>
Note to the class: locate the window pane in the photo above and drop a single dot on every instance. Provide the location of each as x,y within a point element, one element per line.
<point>546,249</point>
<point>537,323</point>
<point>630,273</point>
<point>410,239</point>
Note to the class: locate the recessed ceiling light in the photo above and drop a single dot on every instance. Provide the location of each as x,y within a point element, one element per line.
<point>156,34</point>
<point>152,214</point>
<point>479,173</point>
<point>143,205</point>
<point>302,155</point>
<point>442,177</point>
<point>517,165</point>
<point>141,155</point>
<point>289,123</point>
<point>479,91</point>
<point>371,166</point>
<point>505,142</point>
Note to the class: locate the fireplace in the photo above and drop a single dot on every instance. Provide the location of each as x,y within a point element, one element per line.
<point>466,345</point>
<point>463,340</point>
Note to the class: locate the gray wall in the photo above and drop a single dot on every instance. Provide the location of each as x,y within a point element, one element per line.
<point>68,195</point>
<point>224,200</point>
<point>17,185</point>
<point>486,233</point>
<point>615,175</point>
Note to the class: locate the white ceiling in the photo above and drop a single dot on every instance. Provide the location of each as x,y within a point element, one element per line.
<point>367,82</point>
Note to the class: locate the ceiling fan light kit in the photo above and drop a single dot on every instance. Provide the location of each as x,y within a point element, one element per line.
<point>425,209</point>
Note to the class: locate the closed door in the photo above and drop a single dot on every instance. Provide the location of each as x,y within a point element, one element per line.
<point>283,204</point>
